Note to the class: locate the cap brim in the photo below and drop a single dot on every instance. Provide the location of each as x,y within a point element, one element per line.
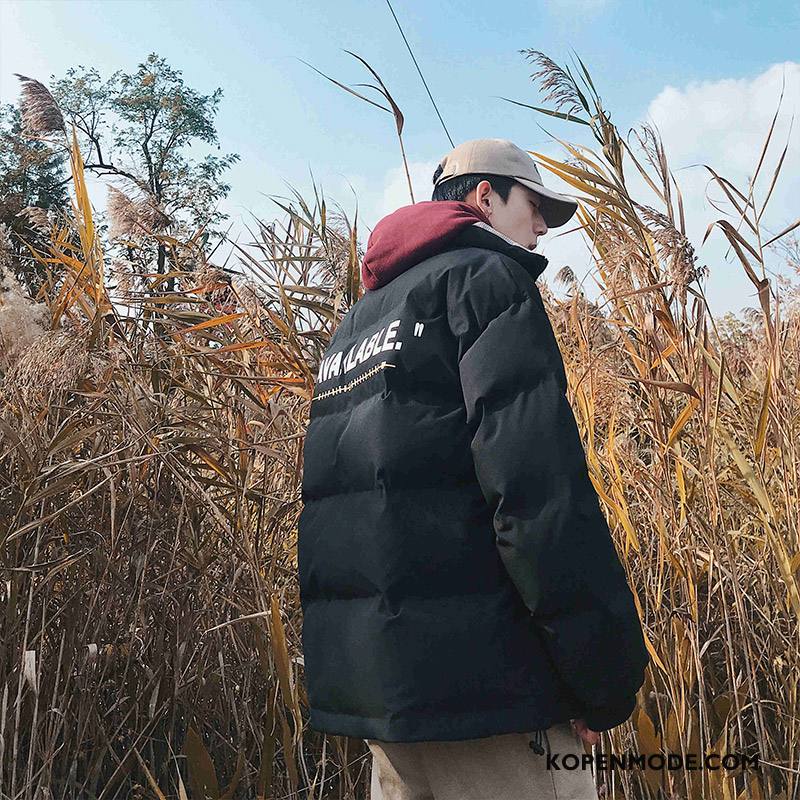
<point>557,209</point>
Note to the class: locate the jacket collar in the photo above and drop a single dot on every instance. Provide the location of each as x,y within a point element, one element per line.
<point>482,235</point>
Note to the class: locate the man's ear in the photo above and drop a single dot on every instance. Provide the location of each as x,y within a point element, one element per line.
<point>483,197</point>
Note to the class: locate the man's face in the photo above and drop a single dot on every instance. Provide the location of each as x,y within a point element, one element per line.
<point>518,218</point>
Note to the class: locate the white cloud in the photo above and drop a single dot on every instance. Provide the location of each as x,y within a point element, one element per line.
<point>376,200</point>
<point>724,124</point>
<point>395,186</point>
<point>726,119</point>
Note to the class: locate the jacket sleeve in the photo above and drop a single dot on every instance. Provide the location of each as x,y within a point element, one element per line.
<point>550,531</point>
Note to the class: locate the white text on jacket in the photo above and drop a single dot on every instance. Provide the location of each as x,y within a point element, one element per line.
<point>369,346</point>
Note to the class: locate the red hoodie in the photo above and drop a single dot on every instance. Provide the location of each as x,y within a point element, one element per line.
<point>411,234</point>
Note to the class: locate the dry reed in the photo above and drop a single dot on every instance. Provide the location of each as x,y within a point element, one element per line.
<point>150,489</point>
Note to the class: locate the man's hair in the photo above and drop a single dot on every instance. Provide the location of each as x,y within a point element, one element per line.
<point>459,187</point>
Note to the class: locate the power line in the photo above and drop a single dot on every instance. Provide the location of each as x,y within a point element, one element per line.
<point>424,82</point>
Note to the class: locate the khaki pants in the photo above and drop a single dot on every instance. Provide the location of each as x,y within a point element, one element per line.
<point>494,768</point>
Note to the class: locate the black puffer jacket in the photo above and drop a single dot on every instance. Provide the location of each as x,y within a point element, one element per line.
<point>457,575</point>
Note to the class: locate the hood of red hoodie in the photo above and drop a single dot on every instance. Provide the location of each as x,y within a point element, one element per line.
<point>411,234</point>
<point>416,232</point>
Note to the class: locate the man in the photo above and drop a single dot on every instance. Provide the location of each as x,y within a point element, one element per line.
<point>460,588</point>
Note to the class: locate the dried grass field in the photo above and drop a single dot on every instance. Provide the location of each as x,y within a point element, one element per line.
<point>151,430</point>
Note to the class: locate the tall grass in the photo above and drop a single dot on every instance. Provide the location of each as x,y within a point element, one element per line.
<point>150,489</point>
<point>692,441</point>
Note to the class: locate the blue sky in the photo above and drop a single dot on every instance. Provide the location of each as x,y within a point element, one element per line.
<point>708,73</point>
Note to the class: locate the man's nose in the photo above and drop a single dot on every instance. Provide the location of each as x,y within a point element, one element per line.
<point>540,226</point>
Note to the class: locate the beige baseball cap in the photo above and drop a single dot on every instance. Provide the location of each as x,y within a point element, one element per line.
<point>502,157</point>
